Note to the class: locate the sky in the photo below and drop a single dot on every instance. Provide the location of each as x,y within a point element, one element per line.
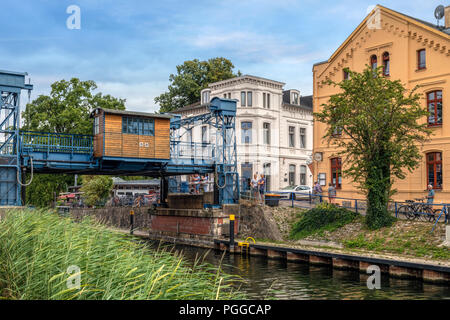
<point>130,47</point>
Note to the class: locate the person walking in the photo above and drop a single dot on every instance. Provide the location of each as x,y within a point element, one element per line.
<point>331,193</point>
<point>262,186</point>
<point>317,191</point>
<point>254,188</point>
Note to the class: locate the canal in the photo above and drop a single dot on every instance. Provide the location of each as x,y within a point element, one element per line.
<point>264,278</point>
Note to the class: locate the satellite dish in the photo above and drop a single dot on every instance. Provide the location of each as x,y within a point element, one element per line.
<point>439,12</point>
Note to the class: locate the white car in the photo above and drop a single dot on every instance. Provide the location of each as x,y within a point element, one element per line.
<point>299,191</point>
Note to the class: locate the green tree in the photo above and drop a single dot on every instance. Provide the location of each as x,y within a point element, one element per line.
<point>65,110</point>
<point>192,77</point>
<point>382,127</point>
<point>96,189</point>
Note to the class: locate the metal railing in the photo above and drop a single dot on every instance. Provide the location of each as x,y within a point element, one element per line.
<point>197,152</point>
<point>308,200</point>
<point>56,142</point>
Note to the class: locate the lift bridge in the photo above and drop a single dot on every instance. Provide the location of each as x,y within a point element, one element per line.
<point>105,153</point>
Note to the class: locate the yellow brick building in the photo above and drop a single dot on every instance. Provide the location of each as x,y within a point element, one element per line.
<point>417,53</point>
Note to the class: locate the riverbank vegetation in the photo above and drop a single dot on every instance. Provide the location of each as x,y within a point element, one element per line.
<point>38,249</point>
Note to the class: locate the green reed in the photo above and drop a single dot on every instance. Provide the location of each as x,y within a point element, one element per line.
<point>37,247</point>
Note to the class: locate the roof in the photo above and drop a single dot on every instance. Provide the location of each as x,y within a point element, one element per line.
<point>248,76</point>
<point>426,25</point>
<point>117,180</point>
<point>133,113</point>
<point>191,106</point>
<point>306,102</point>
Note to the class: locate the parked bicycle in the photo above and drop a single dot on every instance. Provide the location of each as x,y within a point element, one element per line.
<point>417,209</point>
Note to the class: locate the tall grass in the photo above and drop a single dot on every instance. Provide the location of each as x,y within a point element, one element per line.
<point>37,247</point>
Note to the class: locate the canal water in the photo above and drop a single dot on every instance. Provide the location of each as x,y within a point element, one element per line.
<point>264,278</point>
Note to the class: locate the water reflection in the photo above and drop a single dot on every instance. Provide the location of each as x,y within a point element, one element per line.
<point>265,279</point>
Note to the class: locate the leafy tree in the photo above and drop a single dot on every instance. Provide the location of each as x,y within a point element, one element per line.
<point>192,77</point>
<point>65,110</point>
<point>382,127</point>
<point>96,189</point>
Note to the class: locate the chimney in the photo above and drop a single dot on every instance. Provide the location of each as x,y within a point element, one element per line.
<point>447,17</point>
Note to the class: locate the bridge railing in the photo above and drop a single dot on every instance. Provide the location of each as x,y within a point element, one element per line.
<point>56,142</point>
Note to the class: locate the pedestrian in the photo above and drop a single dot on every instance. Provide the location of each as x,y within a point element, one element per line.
<point>318,190</point>
<point>430,196</point>
<point>196,183</point>
<point>254,188</point>
<point>331,193</point>
<point>262,186</point>
<point>205,183</point>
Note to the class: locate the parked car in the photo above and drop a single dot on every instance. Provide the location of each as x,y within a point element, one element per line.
<point>299,192</point>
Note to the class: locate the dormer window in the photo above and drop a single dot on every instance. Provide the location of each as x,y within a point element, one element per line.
<point>206,96</point>
<point>295,98</point>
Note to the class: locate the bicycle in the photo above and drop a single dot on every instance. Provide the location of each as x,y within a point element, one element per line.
<point>418,210</point>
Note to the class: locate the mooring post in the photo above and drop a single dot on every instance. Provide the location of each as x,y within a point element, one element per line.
<point>231,232</point>
<point>396,212</point>
<point>356,205</point>
<point>292,198</point>
<point>131,221</point>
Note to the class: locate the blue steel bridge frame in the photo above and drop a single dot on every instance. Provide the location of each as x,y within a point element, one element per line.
<point>58,153</point>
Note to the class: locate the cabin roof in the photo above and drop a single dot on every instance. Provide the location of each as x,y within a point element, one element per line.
<point>132,113</point>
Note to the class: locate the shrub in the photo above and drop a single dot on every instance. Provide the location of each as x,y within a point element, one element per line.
<point>324,217</point>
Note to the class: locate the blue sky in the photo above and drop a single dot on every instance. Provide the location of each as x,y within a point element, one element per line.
<point>129,47</point>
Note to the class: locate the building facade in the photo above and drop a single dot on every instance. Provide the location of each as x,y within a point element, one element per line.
<point>274,133</point>
<point>415,52</point>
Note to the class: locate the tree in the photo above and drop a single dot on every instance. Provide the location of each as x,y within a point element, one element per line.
<point>382,127</point>
<point>96,189</point>
<point>65,110</point>
<point>192,77</point>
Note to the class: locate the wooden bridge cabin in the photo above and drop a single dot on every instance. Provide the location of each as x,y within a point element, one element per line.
<point>129,134</point>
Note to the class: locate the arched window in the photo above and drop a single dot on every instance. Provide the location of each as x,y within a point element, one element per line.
<point>434,105</point>
<point>336,172</point>
<point>434,169</point>
<point>373,61</point>
<point>386,64</point>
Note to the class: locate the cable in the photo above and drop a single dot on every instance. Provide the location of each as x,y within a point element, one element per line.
<point>31,179</point>
<point>217,179</point>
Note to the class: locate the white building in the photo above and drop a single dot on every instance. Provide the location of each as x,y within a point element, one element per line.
<point>274,129</point>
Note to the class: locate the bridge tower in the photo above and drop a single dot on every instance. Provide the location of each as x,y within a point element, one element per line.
<point>11,85</point>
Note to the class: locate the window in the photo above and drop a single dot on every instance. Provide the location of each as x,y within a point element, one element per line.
<point>386,64</point>
<point>268,101</point>
<point>373,62</point>
<point>225,95</point>
<point>303,138</point>
<point>205,96</point>
<point>346,75</point>
<point>336,172</point>
<point>421,63</point>
<point>337,132</point>
<point>294,98</point>
<point>189,135</point>
<point>292,174</point>
<point>246,128</point>
<point>434,169</point>
<point>434,104</point>
<point>322,177</point>
<point>204,134</point>
<point>140,126</point>
<point>264,99</point>
<point>291,137</point>
<point>229,95</point>
<point>303,175</point>
<point>243,99</point>
<point>249,98</point>
<point>96,125</point>
<point>266,133</point>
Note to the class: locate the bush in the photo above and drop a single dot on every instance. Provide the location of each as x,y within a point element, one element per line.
<point>324,217</point>
<point>37,247</point>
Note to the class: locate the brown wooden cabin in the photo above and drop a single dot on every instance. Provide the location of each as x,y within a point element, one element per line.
<point>129,134</point>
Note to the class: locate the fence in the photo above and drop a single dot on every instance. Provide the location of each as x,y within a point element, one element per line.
<point>411,210</point>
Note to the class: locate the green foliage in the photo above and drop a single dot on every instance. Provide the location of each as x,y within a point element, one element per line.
<point>65,110</point>
<point>192,77</point>
<point>44,188</point>
<point>324,217</point>
<point>37,247</point>
<point>382,128</point>
<point>96,189</point>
